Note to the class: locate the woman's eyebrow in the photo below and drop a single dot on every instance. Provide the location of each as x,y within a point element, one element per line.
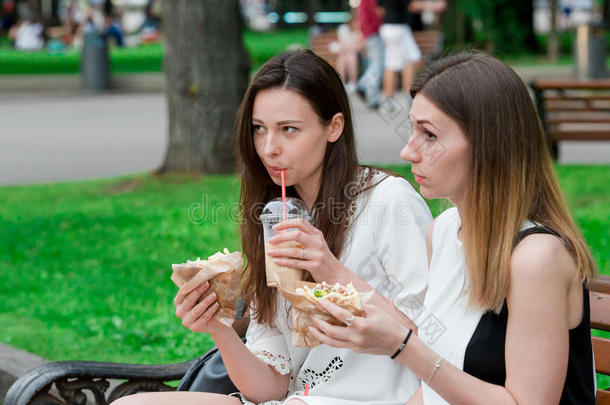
<point>288,122</point>
<point>424,121</point>
<point>279,123</point>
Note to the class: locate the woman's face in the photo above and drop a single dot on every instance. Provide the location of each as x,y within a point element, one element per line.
<point>288,135</point>
<point>438,151</point>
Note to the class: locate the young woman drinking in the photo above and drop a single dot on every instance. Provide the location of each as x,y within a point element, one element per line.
<point>368,228</point>
<point>506,314</point>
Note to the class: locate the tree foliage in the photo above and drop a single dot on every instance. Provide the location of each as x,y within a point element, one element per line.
<point>501,26</point>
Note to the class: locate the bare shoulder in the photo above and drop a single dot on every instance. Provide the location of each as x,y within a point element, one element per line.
<point>542,258</point>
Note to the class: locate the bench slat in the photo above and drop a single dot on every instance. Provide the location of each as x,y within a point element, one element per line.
<point>600,310</point>
<point>579,136</point>
<point>429,43</point>
<point>595,120</point>
<point>600,285</point>
<point>603,397</point>
<point>569,97</point>
<point>603,84</point>
<point>601,348</point>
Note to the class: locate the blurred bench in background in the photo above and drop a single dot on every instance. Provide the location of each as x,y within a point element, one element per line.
<point>574,110</point>
<point>430,43</point>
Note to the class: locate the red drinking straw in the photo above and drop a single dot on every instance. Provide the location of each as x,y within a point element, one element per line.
<point>284,193</point>
<point>306,390</point>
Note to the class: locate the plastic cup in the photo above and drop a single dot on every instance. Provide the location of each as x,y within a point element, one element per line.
<point>273,214</point>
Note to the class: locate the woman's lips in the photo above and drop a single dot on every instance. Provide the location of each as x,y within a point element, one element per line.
<point>275,171</point>
<point>418,178</point>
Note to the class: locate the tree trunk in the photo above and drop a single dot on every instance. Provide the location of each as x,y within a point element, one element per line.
<point>553,42</point>
<point>313,6</point>
<point>206,67</point>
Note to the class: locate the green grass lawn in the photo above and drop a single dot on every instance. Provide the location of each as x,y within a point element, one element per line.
<point>144,58</point>
<point>149,58</point>
<point>85,266</point>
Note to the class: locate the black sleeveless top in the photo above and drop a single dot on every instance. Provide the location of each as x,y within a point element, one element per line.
<point>484,357</point>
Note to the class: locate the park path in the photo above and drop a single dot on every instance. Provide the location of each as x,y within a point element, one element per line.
<point>58,136</point>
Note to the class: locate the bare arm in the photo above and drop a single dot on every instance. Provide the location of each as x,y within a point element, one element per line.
<point>541,270</point>
<point>258,381</point>
<point>255,379</point>
<point>540,275</point>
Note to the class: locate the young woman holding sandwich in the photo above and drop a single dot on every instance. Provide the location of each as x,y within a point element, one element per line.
<point>506,314</point>
<point>368,228</point>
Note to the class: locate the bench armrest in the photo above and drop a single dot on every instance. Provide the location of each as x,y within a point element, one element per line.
<point>71,378</point>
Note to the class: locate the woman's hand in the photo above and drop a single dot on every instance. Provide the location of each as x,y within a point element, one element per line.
<point>376,333</point>
<point>198,317</point>
<point>311,252</point>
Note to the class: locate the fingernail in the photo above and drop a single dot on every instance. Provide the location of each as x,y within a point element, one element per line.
<point>213,294</point>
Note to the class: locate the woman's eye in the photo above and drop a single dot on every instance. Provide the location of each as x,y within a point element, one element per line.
<point>429,135</point>
<point>289,130</point>
<point>257,128</point>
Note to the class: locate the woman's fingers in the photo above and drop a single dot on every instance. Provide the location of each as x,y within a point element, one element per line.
<point>332,331</point>
<point>191,297</point>
<point>291,236</point>
<point>201,322</point>
<point>190,300</point>
<point>296,264</point>
<point>300,223</point>
<point>286,252</point>
<point>199,310</point>
<point>341,314</point>
<point>328,340</point>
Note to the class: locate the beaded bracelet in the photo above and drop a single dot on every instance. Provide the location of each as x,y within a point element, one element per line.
<point>402,345</point>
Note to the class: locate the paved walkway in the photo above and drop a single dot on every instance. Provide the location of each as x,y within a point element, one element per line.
<point>55,136</point>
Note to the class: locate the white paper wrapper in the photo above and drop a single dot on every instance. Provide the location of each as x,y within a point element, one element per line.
<point>304,308</point>
<point>223,270</point>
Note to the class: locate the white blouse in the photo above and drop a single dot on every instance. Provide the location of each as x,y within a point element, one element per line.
<point>386,247</point>
<point>446,322</point>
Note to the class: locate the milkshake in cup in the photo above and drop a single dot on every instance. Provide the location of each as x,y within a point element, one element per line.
<point>273,214</point>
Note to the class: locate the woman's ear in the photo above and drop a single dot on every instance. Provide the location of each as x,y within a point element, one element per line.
<point>335,128</point>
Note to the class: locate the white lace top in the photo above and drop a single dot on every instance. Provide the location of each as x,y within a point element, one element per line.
<point>386,247</point>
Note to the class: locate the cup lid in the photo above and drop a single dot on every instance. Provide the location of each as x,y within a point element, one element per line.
<point>295,208</point>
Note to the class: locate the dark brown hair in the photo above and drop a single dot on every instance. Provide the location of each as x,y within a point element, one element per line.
<point>314,79</point>
<point>511,176</point>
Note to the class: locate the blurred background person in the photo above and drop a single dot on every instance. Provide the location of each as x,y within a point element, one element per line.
<point>369,84</point>
<point>348,46</point>
<point>28,33</point>
<point>401,52</point>
<point>8,18</point>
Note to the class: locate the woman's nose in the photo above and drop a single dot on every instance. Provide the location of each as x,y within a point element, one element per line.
<point>272,145</point>
<point>410,153</point>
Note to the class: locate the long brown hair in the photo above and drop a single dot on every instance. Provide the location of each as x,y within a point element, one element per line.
<point>314,79</point>
<point>512,178</point>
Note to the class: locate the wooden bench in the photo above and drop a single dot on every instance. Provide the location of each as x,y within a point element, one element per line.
<point>430,43</point>
<point>573,110</point>
<point>599,298</point>
<point>71,378</point>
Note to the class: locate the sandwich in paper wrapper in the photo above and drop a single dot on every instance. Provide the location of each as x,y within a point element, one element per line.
<point>305,297</point>
<point>223,270</point>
